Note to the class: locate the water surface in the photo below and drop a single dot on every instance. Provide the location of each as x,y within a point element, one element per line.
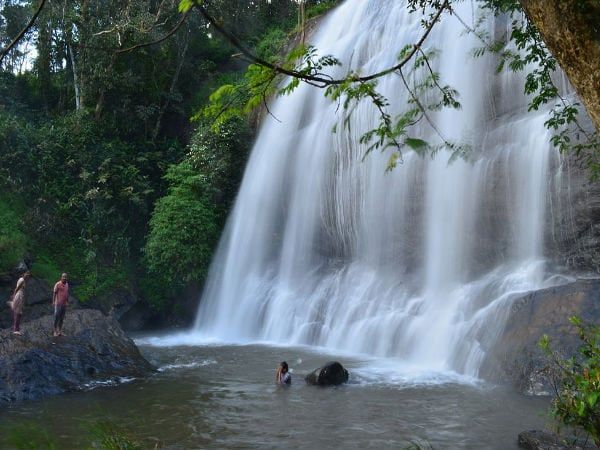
<point>223,396</point>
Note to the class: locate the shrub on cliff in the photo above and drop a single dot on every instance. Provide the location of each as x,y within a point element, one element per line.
<point>577,387</point>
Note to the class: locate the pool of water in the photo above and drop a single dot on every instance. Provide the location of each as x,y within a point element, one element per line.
<point>208,396</point>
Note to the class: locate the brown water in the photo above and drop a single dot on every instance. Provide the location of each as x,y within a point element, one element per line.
<point>223,396</point>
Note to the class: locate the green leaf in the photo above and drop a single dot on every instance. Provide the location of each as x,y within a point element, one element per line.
<point>418,145</point>
<point>186,5</point>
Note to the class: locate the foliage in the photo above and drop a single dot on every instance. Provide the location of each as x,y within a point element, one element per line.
<point>320,8</point>
<point>88,132</point>
<point>47,268</point>
<point>183,228</point>
<point>219,157</point>
<point>185,223</point>
<point>102,434</point>
<point>31,436</point>
<point>577,401</point>
<point>107,435</point>
<point>83,193</point>
<point>531,54</point>
<point>13,242</point>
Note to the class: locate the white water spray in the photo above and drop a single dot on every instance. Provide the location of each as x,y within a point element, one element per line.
<point>421,264</point>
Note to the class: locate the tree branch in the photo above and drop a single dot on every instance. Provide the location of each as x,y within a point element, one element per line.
<point>158,41</point>
<point>16,40</point>
<point>320,79</point>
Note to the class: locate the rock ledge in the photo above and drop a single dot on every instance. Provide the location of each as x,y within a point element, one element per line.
<point>95,349</point>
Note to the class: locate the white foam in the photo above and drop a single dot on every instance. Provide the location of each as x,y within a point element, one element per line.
<point>109,382</point>
<point>192,365</point>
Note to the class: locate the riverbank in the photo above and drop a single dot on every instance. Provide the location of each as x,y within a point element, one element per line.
<point>94,350</point>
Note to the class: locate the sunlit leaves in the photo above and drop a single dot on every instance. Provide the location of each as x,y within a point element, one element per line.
<point>186,5</point>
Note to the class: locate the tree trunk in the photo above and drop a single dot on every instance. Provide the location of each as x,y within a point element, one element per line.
<point>174,81</point>
<point>103,89</point>
<point>44,62</point>
<point>571,30</point>
<point>302,21</point>
<point>76,85</point>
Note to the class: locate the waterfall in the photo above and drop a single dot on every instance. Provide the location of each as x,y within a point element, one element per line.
<point>421,263</point>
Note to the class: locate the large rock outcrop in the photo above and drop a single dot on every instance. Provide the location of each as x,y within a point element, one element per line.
<point>96,349</point>
<point>516,356</point>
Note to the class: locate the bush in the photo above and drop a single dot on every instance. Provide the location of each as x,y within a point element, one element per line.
<point>578,385</point>
<point>183,229</point>
<point>12,239</point>
<point>185,224</point>
<point>320,8</point>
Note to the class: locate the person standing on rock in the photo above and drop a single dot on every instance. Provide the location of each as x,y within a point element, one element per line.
<point>18,302</point>
<point>60,300</point>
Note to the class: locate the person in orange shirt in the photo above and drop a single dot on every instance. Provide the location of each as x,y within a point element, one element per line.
<point>60,301</point>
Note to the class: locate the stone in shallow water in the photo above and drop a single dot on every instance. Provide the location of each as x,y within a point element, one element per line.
<point>95,351</point>
<point>331,374</point>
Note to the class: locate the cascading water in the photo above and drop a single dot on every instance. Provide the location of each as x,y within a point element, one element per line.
<point>421,263</point>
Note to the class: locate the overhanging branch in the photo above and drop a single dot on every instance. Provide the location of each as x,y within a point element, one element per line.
<point>22,33</point>
<point>320,79</point>
<point>159,40</point>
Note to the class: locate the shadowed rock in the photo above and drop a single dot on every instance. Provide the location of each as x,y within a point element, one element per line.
<point>542,440</point>
<point>37,365</point>
<point>517,357</point>
<point>331,374</point>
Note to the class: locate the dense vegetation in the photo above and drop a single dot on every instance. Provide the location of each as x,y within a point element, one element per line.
<point>102,174</point>
<point>576,381</point>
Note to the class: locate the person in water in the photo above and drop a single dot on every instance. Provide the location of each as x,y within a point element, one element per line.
<point>283,376</point>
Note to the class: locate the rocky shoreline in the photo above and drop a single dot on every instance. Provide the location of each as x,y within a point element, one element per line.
<point>95,350</point>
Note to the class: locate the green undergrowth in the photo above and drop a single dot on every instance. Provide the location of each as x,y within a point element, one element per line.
<point>13,242</point>
<point>321,8</point>
<point>89,278</point>
<point>99,435</point>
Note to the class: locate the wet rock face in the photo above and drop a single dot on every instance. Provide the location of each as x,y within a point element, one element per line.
<point>331,374</point>
<point>516,358</point>
<point>36,365</point>
<point>572,235</point>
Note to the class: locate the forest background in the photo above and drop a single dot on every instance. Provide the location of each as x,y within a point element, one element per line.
<point>102,172</point>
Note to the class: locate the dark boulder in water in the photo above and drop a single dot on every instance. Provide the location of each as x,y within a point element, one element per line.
<point>331,374</point>
<point>95,352</point>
